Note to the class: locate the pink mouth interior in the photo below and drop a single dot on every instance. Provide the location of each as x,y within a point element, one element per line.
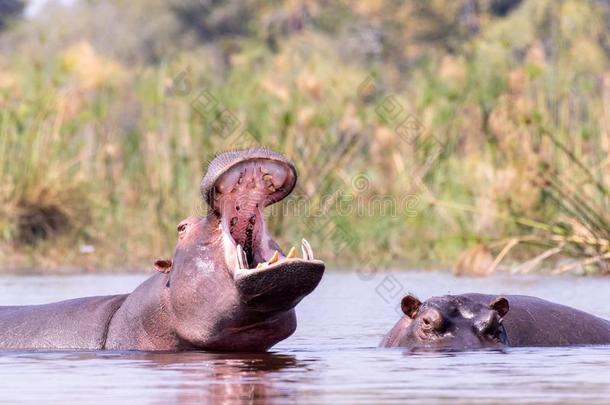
<point>241,194</point>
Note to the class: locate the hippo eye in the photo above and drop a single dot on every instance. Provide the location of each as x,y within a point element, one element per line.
<point>181,228</point>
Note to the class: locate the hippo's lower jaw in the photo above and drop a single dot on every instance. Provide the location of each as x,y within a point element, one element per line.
<point>281,286</point>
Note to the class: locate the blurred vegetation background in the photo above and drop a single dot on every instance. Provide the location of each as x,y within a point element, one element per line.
<point>488,118</point>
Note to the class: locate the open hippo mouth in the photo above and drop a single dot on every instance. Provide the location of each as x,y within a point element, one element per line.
<point>238,186</point>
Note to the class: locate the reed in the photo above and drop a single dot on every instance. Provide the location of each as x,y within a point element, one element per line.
<point>500,148</point>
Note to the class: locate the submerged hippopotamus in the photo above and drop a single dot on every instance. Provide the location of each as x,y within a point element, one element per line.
<point>228,286</point>
<point>472,321</point>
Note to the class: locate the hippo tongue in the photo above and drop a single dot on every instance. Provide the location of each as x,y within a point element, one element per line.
<point>245,231</point>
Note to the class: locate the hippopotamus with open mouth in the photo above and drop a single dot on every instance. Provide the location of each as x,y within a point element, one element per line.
<point>228,287</point>
<point>474,321</point>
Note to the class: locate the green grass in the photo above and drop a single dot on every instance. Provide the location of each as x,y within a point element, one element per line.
<point>95,152</point>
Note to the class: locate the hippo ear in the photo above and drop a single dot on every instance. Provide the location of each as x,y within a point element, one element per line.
<point>163,265</point>
<point>500,305</point>
<point>409,305</point>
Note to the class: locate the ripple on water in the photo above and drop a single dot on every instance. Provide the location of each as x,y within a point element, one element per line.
<point>331,358</point>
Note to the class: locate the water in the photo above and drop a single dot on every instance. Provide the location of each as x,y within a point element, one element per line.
<point>332,358</point>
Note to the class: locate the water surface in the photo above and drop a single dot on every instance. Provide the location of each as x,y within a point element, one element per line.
<point>332,358</point>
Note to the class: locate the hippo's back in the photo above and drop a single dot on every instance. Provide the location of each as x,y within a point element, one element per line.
<point>80,323</point>
<point>533,321</point>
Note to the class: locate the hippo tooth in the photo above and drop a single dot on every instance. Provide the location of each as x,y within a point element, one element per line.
<point>306,248</point>
<point>292,253</point>
<point>242,260</point>
<point>274,258</point>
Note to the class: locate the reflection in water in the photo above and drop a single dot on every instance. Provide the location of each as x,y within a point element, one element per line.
<point>196,377</point>
<point>225,378</point>
<point>193,377</point>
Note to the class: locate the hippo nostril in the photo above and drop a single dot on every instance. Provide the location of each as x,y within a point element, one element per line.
<point>433,320</point>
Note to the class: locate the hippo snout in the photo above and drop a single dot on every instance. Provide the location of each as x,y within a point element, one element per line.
<point>449,323</point>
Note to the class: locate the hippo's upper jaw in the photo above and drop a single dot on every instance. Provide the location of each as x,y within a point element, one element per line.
<point>237,187</point>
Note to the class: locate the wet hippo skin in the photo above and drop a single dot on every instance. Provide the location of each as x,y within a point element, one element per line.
<point>533,321</point>
<point>78,323</point>
<point>472,321</point>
